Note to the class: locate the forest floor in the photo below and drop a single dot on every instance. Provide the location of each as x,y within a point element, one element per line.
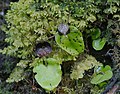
<point>109,54</point>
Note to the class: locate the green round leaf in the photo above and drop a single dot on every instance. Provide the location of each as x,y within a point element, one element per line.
<point>72,43</point>
<point>96,33</point>
<point>98,44</point>
<point>48,77</point>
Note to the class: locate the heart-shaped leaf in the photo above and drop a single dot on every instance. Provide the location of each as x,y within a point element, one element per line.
<point>48,77</point>
<point>98,44</point>
<point>72,42</point>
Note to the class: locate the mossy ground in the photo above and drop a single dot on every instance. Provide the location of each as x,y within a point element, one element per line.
<point>67,86</point>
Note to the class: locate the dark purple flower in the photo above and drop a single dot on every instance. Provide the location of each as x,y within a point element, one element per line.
<point>43,49</point>
<point>63,28</point>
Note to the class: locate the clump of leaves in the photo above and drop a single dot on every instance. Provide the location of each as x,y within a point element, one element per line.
<point>98,42</point>
<point>102,74</point>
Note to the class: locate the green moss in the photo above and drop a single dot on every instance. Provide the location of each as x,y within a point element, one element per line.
<point>80,67</point>
<point>32,21</point>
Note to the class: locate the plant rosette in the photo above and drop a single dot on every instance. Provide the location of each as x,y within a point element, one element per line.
<point>102,74</point>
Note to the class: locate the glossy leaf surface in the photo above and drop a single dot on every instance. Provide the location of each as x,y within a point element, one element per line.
<point>72,42</point>
<point>98,44</point>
